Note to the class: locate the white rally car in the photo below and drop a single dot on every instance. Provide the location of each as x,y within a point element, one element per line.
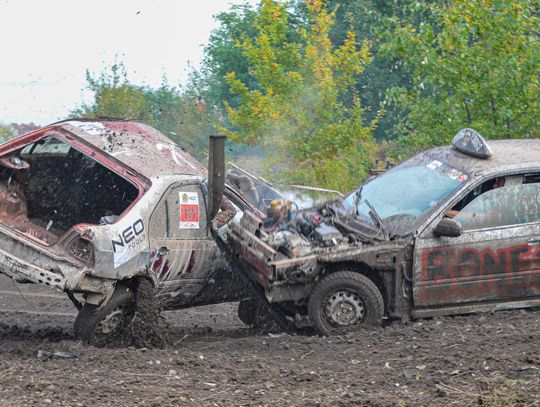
<point>93,207</point>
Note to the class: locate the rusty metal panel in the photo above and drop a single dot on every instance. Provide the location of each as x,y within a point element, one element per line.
<point>17,268</point>
<point>256,258</point>
<point>252,240</point>
<point>251,222</point>
<point>23,261</point>
<point>484,307</point>
<point>284,264</point>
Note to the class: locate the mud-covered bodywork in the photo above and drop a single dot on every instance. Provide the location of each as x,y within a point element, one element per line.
<point>87,204</point>
<point>442,233</point>
<point>289,262</point>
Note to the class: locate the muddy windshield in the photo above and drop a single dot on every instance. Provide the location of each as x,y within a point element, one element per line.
<point>405,193</point>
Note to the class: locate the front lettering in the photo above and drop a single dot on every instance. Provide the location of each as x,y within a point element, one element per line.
<point>138,227</point>
<point>128,234</point>
<point>517,260</point>
<point>119,243</point>
<point>469,264</point>
<point>494,263</point>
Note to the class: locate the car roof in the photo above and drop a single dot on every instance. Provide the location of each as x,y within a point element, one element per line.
<point>508,155</point>
<point>135,144</point>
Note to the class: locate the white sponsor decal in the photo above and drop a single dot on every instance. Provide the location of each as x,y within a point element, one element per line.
<point>454,174</point>
<point>93,128</point>
<point>189,210</point>
<point>128,240</point>
<point>434,165</point>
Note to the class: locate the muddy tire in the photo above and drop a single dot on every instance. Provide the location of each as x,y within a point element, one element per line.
<point>251,314</point>
<point>343,302</point>
<point>100,326</point>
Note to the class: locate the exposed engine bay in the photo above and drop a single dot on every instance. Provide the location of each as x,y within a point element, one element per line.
<point>297,233</point>
<point>316,230</point>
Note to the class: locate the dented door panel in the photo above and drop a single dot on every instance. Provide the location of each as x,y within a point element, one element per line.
<point>496,258</point>
<point>182,252</point>
<point>189,260</point>
<point>497,264</point>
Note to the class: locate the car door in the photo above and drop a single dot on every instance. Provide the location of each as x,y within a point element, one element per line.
<point>495,259</point>
<point>182,249</point>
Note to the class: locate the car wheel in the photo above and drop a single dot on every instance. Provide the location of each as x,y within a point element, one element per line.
<point>101,325</point>
<point>344,301</point>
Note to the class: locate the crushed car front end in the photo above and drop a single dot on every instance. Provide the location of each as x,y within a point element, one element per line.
<point>287,261</point>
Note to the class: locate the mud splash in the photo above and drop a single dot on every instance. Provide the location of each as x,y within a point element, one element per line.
<point>148,329</point>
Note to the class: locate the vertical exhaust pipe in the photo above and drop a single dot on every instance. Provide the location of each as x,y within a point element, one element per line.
<point>216,174</point>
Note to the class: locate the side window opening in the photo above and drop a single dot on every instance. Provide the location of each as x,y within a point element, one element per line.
<point>56,187</point>
<point>46,145</point>
<point>475,193</point>
<point>511,203</point>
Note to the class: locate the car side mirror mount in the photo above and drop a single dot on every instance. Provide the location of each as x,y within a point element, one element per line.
<point>448,227</point>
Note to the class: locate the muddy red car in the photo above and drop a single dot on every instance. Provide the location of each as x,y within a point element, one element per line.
<point>94,207</point>
<point>453,230</point>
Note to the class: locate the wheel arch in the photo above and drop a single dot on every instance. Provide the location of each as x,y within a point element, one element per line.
<point>133,281</point>
<point>361,268</point>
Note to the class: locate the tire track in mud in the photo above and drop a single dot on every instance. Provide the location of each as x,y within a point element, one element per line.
<point>461,361</point>
<point>37,312</point>
<point>40,295</point>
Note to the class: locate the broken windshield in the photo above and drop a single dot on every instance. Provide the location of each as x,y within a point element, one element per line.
<point>406,192</point>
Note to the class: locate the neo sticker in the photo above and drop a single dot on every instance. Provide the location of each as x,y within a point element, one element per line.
<point>129,239</point>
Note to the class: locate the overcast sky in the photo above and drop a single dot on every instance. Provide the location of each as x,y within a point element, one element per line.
<point>47,45</point>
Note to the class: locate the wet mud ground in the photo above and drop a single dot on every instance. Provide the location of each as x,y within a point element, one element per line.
<point>214,360</point>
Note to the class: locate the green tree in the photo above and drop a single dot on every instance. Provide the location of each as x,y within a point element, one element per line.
<point>114,96</point>
<point>223,55</point>
<point>370,20</point>
<point>302,109</point>
<point>366,18</point>
<point>477,66</point>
